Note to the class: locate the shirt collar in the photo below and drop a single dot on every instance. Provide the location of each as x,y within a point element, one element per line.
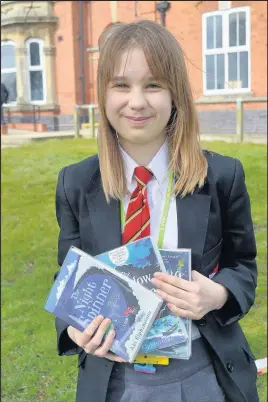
<point>158,165</point>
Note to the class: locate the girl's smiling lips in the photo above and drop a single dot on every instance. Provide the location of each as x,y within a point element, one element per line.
<point>137,121</point>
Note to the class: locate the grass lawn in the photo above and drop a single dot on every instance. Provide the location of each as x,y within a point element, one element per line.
<point>31,370</point>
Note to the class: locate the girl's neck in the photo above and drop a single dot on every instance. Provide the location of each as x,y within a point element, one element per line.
<point>142,154</point>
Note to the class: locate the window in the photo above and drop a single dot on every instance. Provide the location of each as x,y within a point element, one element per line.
<point>36,76</point>
<point>226,51</point>
<point>8,70</point>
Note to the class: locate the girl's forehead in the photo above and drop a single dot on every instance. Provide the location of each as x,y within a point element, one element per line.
<point>132,61</point>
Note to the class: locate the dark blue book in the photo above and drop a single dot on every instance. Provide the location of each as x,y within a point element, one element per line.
<point>86,288</point>
<point>178,263</point>
<point>139,260</point>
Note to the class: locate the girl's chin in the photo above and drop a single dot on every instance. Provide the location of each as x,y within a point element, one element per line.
<point>141,138</point>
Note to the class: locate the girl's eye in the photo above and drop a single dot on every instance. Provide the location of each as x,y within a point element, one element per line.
<point>121,85</point>
<point>154,86</point>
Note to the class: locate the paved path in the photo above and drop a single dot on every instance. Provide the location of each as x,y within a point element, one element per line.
<point>15,138</point>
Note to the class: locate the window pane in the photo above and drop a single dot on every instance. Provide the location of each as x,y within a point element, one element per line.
<point>8,56</point>
<point>232,29</point>
<point>220,71</point>
<point>210,34</point>
<point>232,67</point>
<point>36,82</point>
<point>218,31</point>
<point>244,69</point>
<point>34,54</point>
<point>242,28</point>
<point>9,79</point>
<point>210,73</point>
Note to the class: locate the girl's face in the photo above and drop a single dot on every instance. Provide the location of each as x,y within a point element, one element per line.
<point>137,106</point>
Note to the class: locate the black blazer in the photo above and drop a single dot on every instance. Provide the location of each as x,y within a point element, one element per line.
<point>215,223</point>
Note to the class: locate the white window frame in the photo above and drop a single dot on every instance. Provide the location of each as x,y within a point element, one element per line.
<point>225,49</point>
<point>36,68</point>
<point>12,69</point>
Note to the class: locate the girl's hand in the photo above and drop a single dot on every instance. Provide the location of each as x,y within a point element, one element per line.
<point>91,339</point>
<point>190,299</point>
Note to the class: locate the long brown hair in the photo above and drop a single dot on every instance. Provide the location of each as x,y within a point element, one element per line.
<point>166,63</point>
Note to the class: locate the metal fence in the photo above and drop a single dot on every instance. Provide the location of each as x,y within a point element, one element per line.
<point>93,122</point>
<point>34,117</point>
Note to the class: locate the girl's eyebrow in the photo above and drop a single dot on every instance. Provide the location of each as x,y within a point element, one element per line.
<point>125,78</point>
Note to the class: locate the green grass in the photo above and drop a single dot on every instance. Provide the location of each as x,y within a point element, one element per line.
<point>31,370</point>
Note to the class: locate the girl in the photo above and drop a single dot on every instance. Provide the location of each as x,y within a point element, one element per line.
<point>149,131</point>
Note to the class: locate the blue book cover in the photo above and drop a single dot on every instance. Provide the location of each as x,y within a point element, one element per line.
<point>139,260</point>
<point>177,262</point>
<point>86,288</point>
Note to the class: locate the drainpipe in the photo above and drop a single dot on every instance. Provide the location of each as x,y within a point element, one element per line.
<point>162,7</point>
<point>82,56</point>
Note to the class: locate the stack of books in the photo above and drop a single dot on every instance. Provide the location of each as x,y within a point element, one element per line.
<point>117,285</point>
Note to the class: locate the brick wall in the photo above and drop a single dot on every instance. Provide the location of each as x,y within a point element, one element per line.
<point>184,20</point>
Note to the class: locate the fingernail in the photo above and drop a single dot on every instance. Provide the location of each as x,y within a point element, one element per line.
<point>157,273</point>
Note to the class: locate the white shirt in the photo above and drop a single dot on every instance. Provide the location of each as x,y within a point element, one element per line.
<point>156,191</point>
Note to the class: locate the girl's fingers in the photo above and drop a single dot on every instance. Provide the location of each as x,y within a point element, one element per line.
<point>90,330</point>
<point>115,358</point>
<point>97,339</point>
<point>174,300</point>
<point>180,312</point>
<point>188,286</point>
<point>103,350</point>
<point>172,290</point>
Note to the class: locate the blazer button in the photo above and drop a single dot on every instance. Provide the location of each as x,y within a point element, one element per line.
<point>202,322</point>
<point>230,367</point>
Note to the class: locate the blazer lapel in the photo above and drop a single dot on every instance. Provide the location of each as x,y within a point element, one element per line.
<point>192,215</point>
<point>104,219</point>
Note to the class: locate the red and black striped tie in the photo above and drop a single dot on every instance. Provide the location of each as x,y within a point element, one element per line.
<point>137,223</point>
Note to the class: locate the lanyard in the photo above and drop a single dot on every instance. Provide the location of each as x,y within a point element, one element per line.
<point>164,214</point>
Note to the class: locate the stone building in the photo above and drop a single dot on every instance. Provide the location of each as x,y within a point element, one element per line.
<point>49,57</point>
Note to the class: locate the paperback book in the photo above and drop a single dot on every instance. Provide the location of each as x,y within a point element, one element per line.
<point>139,260</point>
<point>178,263</point>
<point>86,288</point>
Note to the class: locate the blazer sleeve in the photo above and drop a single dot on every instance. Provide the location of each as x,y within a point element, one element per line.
<point>69,235</point>
<point>237,268</point>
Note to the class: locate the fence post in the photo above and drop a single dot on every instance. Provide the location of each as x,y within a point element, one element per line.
<point>76,122</point>
<point>239,121</point>
<point>91,120</point>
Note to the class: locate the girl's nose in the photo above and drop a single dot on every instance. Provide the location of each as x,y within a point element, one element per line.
<point>137,100</point>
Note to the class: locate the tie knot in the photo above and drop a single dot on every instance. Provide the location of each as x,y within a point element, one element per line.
<point>143,175</point>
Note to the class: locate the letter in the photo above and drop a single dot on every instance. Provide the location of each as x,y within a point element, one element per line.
<point>87,292</point>
<point>147,278</point>
<point>105,283</point>
<point>101,297</point>
<point>75,295</point>
<point>92,314</point>
<point>97,304</point>
<point>79,306</point>
<point>87,298</point>
<point>104,290</point>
